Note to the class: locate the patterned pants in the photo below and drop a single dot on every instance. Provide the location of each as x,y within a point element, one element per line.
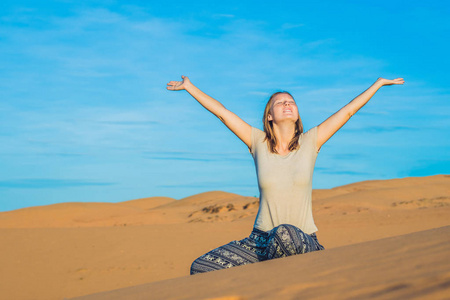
<point>283,240</point>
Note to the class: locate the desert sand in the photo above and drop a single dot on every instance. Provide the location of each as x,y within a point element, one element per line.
<point>409,266</point>
<point>383,238</point>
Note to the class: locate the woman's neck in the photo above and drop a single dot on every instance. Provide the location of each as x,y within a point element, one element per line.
<point>283,133</point>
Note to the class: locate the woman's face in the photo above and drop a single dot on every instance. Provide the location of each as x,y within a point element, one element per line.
<point>283,108</point>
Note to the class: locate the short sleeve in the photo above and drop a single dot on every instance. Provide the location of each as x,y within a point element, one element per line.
<point>257,137</point>
<point>312,137</point>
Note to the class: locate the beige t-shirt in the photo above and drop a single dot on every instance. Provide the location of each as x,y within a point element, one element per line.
<point>285,182</point>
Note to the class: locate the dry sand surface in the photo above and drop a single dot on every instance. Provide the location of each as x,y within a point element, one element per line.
<point>412,266</point>
<point>73,249</point>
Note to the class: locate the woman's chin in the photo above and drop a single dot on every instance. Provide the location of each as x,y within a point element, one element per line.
<point>287,120</point>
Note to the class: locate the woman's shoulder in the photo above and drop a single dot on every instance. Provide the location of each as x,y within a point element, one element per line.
<point>258,137</point>
<point>258,131</point>
<point>310,137</point>
<point>311,131</point>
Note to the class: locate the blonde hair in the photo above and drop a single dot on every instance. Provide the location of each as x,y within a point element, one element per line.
<point>268,127</point>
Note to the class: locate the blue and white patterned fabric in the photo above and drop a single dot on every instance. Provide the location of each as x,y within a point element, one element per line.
<point>283,240</point>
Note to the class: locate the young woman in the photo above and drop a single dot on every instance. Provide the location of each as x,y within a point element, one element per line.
<point>284,157</point>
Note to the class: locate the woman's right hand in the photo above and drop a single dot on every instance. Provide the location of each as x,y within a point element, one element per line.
<point>178,85</point>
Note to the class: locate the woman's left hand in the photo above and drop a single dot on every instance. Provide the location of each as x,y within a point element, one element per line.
<point>390,82</point>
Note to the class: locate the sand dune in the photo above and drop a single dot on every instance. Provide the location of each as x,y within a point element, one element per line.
<point>367,196</point>
<point>149,203</point>
<point>205,207</point>
<point>74,249</point>
<point>410,266</point>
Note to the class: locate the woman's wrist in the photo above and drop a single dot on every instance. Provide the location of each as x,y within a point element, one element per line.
<point>383,81</point>
<point>188,85</point>
<point>380,82</point>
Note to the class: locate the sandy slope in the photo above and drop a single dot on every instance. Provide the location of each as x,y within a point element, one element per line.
<point>74,249</point>
<point>410,266</point>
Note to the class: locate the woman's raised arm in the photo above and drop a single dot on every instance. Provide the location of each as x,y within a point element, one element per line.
<point>329,127</point>
<point>240,128</point>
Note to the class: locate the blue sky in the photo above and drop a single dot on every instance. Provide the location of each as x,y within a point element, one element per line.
<point>85,116</point>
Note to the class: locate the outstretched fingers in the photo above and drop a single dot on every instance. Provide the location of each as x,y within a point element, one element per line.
<point>172,85</point>
<point>391,81</point>
<point>398,81</point>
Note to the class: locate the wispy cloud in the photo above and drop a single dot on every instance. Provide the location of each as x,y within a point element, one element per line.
<point>427,167</point>
<point>345,172</point>
<point>130,123</point>
<point>223,16</point>
<point>207,185</point>
<point>292,26</point>
<point>382,129</point>
<point>197,156</point>
<point>39,183</point>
